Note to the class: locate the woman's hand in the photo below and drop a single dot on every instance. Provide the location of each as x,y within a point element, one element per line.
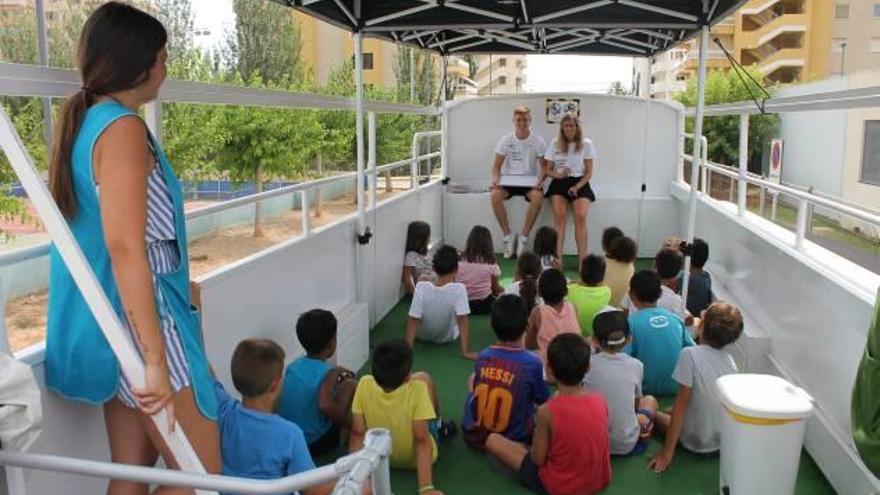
<point>157,393</point>
<point>573,191</point>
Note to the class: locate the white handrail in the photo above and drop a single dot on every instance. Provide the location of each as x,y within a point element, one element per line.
<point>37,81</point>
<point>353,468</point>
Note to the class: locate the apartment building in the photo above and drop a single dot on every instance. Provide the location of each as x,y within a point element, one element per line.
<point>500,74</point>
<point>788,40</point>
<point>855,36</point>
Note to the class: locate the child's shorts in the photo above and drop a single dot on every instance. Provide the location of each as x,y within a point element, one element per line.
<point>326,444</point>
<point>528,476</point>
<point>482,306</point>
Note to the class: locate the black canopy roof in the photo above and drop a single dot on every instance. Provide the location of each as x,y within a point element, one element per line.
<point>598,27</point>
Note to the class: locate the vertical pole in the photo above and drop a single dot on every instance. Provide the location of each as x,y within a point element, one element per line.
<point>318,189</point>
<point>153,117</point>
<point>304,209</point>
<point>359,123</point>
<point>371,156</point>
<point>490,74</point>
<point>742,187</point>
<point>801,226</point>
<point>698,158</point>
<point>761,202</point>
<point>414,165</point>
<point>43,46</point>
<point>412,75</point>
<point>774,201</point>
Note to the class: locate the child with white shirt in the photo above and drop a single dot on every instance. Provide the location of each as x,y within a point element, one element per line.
<point>695,421</point>
<point>439,310</point>
<point>668,263</point>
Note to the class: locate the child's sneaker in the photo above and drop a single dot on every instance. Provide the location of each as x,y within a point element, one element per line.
<point>509,245</point>
<point>522,243</point>
<point>445,428</point>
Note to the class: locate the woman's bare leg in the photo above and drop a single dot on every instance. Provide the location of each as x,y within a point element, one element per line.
<point>581,207</point>
<point>560,217</point>
<point>201,432</point>
<point>129,444</point>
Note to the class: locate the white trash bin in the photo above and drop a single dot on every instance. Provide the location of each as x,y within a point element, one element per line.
<point>762,431</point>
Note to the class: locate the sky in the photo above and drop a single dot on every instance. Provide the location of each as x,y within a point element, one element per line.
<point>544,73</point>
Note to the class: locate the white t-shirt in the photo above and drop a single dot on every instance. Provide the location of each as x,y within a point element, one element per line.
<point>514,289</point>
<point>520,167</point>
<point>573,160</point>
<point>438,307</point>
<point>698,368</point>
<point>669,300</point>
<point>618,377</point>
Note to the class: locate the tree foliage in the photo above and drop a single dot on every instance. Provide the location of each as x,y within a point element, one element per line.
<point>722,132</point>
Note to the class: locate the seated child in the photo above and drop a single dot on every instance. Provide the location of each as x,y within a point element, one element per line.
<point>440,309</point>
<point>618,377</point>
<point>507,371</point>
<point>700,294</point>
<point>553,317</point>
<point>416,263</point>
<point>667,263</point>
<point>569,452</point>
<point>609,235</point>
<point>620,257</point>
<point>696,416</point>
<point>254,442</point>
<point>479,272</point>
<point>658,335</point>
<point>317,397</point>
<point>406,404</point>
<point>525,281</point>
<point>589,296</point>
<point>546,240</point>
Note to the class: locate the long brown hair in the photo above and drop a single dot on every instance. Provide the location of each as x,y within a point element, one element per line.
<point>562,142</point>
<point>528,270</point>
<point>479,247</point>
<point>117,48</point>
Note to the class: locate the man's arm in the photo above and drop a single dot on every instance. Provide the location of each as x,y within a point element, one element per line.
<point>541,437</point>
<point>662,459</point>
<point>496,170</point>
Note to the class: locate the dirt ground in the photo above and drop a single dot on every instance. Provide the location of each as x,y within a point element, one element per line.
<point>25,317</point>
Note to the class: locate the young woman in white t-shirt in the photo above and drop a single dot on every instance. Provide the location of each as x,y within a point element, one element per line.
<point>569,163</point>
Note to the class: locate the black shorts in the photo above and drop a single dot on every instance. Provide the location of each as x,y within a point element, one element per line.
<point>517,191</point>
<point>528,476</point>
<point>482,306</point>
<point>326,444</point>
<point>560,187</point>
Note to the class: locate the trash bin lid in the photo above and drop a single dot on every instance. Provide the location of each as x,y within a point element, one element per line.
<point>764,397</point>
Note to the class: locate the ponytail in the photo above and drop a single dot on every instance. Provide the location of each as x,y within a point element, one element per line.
<point>528,291</point>
<point>60,173</point>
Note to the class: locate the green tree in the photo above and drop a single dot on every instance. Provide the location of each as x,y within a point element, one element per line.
<point>425,72</point>
<point>722,132</point>
<point>266,43</point>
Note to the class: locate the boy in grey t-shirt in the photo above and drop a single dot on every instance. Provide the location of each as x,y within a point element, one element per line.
<point>696,417</point>
<point>618,377</point>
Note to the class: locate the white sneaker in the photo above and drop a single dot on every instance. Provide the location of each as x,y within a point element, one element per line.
<point>522,244</point>
<point>509,246</point>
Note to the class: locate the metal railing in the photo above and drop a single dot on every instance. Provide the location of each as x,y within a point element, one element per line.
<point>806,200</point>
<point>351,472</point>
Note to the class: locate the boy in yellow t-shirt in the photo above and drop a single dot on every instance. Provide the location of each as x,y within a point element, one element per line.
<point>405,403</point>
<point>589,296</point>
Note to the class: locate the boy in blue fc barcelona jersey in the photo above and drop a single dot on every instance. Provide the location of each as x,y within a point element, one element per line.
<point>508,381</point>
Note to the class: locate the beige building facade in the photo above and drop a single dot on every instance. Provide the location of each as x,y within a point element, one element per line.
<point>500,74</point>
<point>855,36</point>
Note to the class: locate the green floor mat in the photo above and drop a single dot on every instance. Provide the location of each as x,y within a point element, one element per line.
<point>461,470</point>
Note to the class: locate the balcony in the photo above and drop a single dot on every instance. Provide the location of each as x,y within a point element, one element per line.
<point>787,23</point>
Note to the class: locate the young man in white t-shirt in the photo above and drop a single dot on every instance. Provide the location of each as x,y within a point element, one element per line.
<point>517,171</point>
<point>440,308</point>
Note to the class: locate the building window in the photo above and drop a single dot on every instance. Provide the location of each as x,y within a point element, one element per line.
<point>502,80</point>
<point>841,11</point>
<point>368,61</point>
<point>877,10</point>
<point>871,153</point>
<point>502,62</point>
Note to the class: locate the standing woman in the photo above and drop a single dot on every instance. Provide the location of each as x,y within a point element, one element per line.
<point>123,203</point>
<point>569,163</point>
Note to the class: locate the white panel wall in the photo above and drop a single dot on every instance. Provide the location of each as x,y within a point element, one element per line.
<point>814,141</point>
<point>262,295</point>
<point>814,306</point>
<point>637,141</point>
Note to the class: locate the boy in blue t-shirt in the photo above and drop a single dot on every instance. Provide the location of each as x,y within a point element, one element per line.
<point>508,381</point>
<point>316,396</point>
<point>254,443</point>
<point>658,335</point>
